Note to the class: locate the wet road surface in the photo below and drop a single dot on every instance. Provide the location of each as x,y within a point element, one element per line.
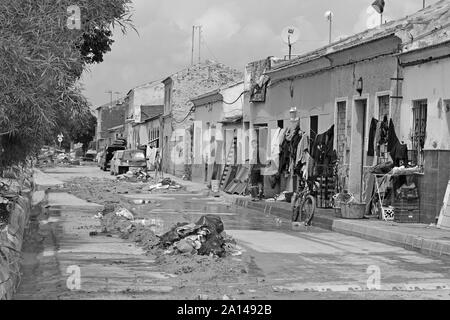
<point>280,263</point>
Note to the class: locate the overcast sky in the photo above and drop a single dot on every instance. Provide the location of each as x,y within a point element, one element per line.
<point>235,32</point>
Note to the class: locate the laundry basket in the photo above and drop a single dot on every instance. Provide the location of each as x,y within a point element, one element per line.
<point>353,210</point>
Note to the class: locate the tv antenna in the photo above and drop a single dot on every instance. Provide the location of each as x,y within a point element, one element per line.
<point>111,93</point>
<point>290,36</point>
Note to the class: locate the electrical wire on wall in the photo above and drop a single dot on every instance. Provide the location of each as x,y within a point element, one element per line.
<point>193,108</point>
<point>187,116</point>
<point>229,103</point>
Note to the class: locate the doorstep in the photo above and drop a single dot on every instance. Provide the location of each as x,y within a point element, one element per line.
<point>428,240</point>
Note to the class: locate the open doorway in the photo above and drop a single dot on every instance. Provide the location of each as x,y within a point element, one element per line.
<point>359,152</point>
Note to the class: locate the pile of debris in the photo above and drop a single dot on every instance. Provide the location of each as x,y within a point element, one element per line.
<point>4,212</point>
<point>204,238</point>
<point>135,176</point>
<point>165,184</point>
<point>7,199</point>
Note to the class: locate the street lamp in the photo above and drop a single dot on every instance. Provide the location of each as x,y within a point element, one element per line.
<point>293,112</point>
<point>378,5</point>
<point>360,86</point>
<point>329,17</point>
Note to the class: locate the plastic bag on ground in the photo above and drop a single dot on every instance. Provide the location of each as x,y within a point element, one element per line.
<point>166,182</point>
<point>172,236</point>
<point>125,213</point>
<point>213,223</point>
<point>187,230</point>
<point>213,245</point>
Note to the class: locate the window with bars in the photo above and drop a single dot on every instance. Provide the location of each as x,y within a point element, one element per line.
<point>384,107</point>
<point>419,132</point>
<point>384,111</point>
<point>341,130</point>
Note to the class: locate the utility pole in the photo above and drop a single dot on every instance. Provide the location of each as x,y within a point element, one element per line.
<point>193,40</point>
<point>331,26</point>
<point>111,93</point>
<point>424,3</point>
<point>199,28</point>
<point>199,44</point>
<point>329,17</point>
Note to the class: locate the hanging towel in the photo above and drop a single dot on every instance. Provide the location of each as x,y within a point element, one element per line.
<point>151,155</point>
<point>302,149</point>
<point>263,145</point>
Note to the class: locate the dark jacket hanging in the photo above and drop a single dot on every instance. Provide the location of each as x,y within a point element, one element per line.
<point>372,132</point>
<point>398,151</point>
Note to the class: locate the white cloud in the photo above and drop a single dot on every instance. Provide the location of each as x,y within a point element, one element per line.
<point>235,32</point>
<point>218,24</point>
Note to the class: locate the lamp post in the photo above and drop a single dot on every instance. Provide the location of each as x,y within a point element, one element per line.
<point>329,17</point>
<point>378,5</point>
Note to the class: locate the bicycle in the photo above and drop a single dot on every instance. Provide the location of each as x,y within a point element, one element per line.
<point>304,203</point>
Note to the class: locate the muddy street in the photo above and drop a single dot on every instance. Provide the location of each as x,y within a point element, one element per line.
<point>66,255</point>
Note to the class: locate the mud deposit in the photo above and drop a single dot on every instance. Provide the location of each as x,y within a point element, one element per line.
<point>199,269</point>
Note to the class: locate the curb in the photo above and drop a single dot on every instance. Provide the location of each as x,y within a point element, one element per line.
<point>425,246</point>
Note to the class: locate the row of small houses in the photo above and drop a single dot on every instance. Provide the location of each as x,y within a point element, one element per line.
<point>399,72</point>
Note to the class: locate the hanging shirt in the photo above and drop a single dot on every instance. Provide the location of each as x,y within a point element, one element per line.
<point>263,145</point>
<point>302,149</point>
<point>274,145</point>
<point>151,155</point>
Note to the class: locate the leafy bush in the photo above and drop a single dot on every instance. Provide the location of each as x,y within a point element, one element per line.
<point>42,61</point>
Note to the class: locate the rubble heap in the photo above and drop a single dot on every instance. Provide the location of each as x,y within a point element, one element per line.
<point>204,238</point>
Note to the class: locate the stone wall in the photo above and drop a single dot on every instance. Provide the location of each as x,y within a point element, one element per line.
<point>11,240</point>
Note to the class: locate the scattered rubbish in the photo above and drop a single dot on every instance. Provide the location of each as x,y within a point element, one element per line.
<point>4,211</point>
<point>165,184</point>
<point>125,213</point>
<point>93,234</point>
<point>205,238</point>
<point>202,297</point>
<point>226,298</point>
<point>141,202</point>
<point>140,175</point>
<point>98,216</point>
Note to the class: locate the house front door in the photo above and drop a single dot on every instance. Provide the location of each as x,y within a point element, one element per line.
<point>359,151</point>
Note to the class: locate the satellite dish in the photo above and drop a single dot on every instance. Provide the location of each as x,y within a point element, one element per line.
<point>290,35</point>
